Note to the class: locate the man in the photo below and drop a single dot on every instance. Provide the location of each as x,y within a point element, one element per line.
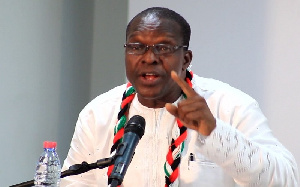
<point>199,132</point>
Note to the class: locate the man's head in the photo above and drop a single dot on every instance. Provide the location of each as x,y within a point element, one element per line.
<point>165,13</point>
<point>157,42</point>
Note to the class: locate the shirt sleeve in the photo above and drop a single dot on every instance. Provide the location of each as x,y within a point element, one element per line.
<point>77,154</point>
<point>243,145</point>
<point>83,149</point>
<point>92,138</point>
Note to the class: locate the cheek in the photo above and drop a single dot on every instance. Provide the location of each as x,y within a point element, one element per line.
<point>128,63</point>
<point>176,61</point>
<point>131,60</point>
<point>175,65</point>
<point>130,67</point>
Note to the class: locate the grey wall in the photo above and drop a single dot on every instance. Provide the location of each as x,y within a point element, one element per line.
<point>253,45</point>
<point>55,56</point>
<point>110,20</point>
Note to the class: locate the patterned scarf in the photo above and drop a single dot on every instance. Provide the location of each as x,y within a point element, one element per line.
<point>171,166</point>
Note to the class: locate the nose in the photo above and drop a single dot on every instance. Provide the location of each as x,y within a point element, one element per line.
<point>149,56</point>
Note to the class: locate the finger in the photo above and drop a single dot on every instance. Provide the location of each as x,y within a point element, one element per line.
<point>172,109</point>
<point>192,104</point>
<point>183,85</point>
<point>191,125</point>
<point>189,114</point>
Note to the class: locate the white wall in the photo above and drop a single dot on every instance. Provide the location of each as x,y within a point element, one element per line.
<point>254,46</point>
<point>282,71</point>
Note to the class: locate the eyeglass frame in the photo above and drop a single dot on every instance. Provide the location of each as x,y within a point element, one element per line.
<point>154,49</point>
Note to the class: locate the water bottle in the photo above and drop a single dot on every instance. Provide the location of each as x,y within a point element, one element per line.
<point>48,169</point>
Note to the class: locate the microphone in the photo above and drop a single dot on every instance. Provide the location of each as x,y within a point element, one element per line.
<point>133,132</point>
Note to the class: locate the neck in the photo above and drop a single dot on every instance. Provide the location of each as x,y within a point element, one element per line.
<point>157,102</point>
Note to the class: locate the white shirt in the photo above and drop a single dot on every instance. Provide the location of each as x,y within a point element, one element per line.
<point>241,151</point>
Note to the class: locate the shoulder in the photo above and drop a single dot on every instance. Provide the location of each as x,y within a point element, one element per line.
<point>106,102</point>
<point>217,90</point>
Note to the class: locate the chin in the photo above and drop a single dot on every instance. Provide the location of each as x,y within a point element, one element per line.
<point>148,96</point>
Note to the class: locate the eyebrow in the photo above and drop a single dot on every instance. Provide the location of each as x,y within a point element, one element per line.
<point>159,40</point>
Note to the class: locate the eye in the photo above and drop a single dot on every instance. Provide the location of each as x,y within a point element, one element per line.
<point>135,47</point>
<point>163,48</point>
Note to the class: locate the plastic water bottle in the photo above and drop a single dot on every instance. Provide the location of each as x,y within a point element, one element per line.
<point>48,169</point>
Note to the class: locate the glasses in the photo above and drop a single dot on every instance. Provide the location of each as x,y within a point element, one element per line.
<point>158,49</point>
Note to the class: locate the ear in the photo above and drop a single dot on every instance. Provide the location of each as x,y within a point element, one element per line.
<point>188,56</point>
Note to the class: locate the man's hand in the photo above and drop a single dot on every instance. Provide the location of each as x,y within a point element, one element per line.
<point>192,111</point>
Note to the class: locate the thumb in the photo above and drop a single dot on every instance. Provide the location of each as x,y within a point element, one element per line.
<point>172,109</point>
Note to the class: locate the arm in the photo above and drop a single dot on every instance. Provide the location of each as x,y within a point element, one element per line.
<point>81,146</point>
<point>236,137</point>
<point>86,138</point>
<point>245,148</point>
<point>92,138</point>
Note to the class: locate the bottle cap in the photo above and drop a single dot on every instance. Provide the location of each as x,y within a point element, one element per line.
<point>49,144</point>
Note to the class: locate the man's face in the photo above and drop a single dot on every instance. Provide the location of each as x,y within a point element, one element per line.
<point>150,73</point>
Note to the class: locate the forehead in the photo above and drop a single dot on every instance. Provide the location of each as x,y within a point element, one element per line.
<point>153,26</point>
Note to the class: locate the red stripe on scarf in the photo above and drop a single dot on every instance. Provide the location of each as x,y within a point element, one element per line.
<point>179,124</point>
<point>126,101</point>
<point>119,135</point>
<point>174,175</point>
<point>170,159</point>
<point>189,82</point>
<point>110,168</point>
<point>180,139</point>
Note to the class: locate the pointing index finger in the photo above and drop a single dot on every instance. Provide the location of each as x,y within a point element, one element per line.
<point>189,92</point>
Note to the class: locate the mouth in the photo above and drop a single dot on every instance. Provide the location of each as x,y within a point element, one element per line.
<point>150,76</point>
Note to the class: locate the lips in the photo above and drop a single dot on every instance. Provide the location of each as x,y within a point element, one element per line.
<point>150,76</point>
